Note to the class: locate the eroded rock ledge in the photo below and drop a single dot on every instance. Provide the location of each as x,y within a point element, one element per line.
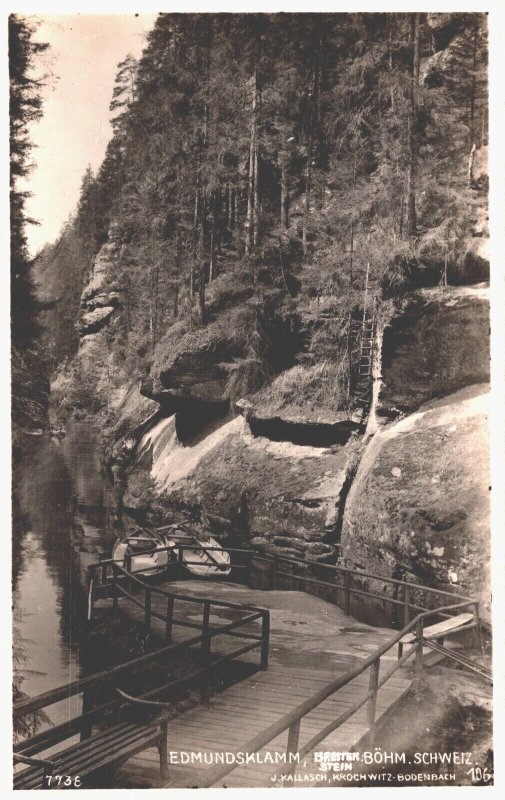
<point>291,474</point>
<point>420,501</point>
<point>436,343</point>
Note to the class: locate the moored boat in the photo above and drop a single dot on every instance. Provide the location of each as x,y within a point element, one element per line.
<point>199,553</point>
<point>144,552</point>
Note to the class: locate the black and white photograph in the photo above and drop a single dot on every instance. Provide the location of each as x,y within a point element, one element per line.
<point>250,293</point>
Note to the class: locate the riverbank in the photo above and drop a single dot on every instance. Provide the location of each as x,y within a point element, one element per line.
<point>449,712</point>
<point>62,521</point>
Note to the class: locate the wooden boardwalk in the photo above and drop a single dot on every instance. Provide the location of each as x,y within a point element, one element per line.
<point>246,709</point>
<point>311,643</point>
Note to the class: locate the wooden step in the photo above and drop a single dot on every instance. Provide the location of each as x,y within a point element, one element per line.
<point>441,628</point>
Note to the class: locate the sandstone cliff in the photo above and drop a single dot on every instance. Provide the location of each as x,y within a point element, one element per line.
<point>420,500</point>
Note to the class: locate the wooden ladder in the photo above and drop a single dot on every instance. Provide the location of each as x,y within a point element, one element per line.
<point>363,380</point>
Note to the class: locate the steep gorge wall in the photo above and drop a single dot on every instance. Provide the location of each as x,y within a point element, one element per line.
<point>284,468</point>
<point>419,502</point>
<point>278,496</point>
<point>419,505</point>
<point>247,422</point>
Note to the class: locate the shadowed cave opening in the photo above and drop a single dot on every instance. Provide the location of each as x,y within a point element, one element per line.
<point>314,434</point>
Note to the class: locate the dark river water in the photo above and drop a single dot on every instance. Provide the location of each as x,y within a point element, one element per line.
<point>62,521</point>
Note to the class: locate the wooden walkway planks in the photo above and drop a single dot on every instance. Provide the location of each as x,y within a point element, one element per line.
<point>247,708</point>
<point>311,643</point>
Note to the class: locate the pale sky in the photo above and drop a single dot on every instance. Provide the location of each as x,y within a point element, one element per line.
<point>75,128</point>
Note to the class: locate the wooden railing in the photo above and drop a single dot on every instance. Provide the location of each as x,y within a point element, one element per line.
<point>208,663</point>
<point>111,573</point>
<point>291,722</point>
<point>345,583</point>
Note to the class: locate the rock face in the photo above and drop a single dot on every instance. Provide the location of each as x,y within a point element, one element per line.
<point>444,27</point>
<point>279,496</point>
<point>420,499</point>
<point>411,499</point>
<point>232,355</point>
<point>419,504</point>
<point>301,406</point>
<point>436,343</point>
<point>197,371</point>
<point>101,295</point>
<point>93,321</point>
<point>290,473</point>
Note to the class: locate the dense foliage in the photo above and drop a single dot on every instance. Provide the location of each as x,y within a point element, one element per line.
<point>29,390</point>
<point>261,155</point>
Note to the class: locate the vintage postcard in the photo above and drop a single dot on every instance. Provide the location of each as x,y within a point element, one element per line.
<point>250,353</point>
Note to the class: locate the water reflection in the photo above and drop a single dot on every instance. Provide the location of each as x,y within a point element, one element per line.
<point>62,522</point>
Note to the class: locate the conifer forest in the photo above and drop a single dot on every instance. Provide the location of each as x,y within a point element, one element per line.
<point>268,316</point>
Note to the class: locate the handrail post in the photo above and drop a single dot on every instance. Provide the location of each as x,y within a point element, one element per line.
<point>372,702</point>
<point>180,555</point>
<point>88,702</point>
<point>273,573</point>
<point>406,616</point>
<point>115,597</point>
<point>169,618</point>
<point>128,567</point>
<point>147,608</point>
<point>347,593</point>
<point>292,746</point>
<point>206,646</point>
<point>418,660</point>
<point>265,639</point>
<point>91,572</point>
<point>477,633</point>
<point>299,577</point>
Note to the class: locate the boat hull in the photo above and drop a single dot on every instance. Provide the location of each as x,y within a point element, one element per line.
<point>211,564</point>
<point>145,564</point>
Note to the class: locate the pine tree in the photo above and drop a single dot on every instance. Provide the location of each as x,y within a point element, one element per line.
<point>25,107</point>
<point>125,91</point>
<point>277,155</point>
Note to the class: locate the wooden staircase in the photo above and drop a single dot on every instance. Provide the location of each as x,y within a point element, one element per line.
<point>362,385</point>
<point>362,378</point>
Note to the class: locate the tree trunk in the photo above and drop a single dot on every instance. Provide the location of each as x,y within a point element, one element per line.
<point>227,205</point>
<point>201,293</point>
<point>470,166</point>
<point>390,53</point>
<point>176,301</point>
<point>256,203</point>
<point>412,128</point>
<point>201,261</point>
<point>284,195</point>
<point>195,215</point>
<point>306,197</point>
<point>474,81</point>
<point>212,239</point>
<point>252,183</point>
<point>310,148</point>
<point>349,320</point>
<point>153,292</point>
